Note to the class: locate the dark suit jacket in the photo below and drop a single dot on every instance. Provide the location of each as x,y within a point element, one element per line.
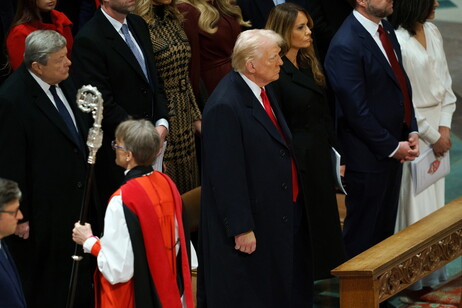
<point>327,15</point>
<point>370,107</point>
<point>246,186</point>
<point>11,292</point>
<point>40,154</point>
<point>102,58</point>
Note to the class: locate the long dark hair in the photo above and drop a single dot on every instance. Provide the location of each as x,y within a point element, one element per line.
<point>407,13</point>
<point>281,20</point>
<point>26,12</point>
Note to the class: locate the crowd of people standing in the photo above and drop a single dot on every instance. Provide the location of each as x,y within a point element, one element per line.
<point>251,100</point>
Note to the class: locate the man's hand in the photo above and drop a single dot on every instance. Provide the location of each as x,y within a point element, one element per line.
<point>443,144</point>
<point>246,242</point>
<point>342,170</point>
<point>22,230</point>
<point>81,233</point>
<point>414,145</point>
<point>402,151</point>
<point>197,126</point>
<point>163,132</point>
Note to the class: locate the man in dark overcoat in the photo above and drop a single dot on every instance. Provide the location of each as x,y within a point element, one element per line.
<point>42,148</point>
<point>254,246</point>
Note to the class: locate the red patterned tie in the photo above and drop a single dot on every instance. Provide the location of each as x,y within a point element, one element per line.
<point>269,111</point>
<point>387,45</point>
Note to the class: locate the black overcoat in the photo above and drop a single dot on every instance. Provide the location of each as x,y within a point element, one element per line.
<point>39,153</point>
<point>305,108</point>
<point>247,185</point>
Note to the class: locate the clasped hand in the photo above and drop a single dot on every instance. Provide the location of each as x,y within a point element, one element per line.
<point>408,150</point>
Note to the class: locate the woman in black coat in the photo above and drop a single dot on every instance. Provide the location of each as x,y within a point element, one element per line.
<point>302,97</point>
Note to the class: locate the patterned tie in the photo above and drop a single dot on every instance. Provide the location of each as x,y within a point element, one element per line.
<point>66,117</point>
<point>269,111</point>
<point>133,48</point>
<point>399,74</point>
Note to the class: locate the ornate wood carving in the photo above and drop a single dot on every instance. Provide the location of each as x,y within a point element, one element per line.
<point>418,266</point>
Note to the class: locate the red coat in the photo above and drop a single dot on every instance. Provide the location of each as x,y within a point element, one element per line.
<point>17,37</point>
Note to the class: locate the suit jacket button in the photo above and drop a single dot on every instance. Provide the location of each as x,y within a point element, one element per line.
<point>285,219</point>
<point>79,184</point>
<point>283,153</point>
<point>284,186</point>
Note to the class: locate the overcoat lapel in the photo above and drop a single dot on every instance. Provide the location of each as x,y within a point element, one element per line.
<point>259,113</point>
<point>8,265</point>
<point>43,103</point>
<point>299,78</point>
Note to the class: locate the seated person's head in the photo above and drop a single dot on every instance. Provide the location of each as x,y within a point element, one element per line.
<point>137,143</point>
<point>46,56</point>
<point>9,207</point>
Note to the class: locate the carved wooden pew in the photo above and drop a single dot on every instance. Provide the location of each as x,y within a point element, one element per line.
<point>402,259</point>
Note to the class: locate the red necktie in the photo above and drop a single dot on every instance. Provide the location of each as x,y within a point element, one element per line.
<point>269,111</point>
<point>398,73</point>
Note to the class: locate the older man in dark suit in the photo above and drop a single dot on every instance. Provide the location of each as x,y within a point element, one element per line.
<point>376,122</point>
<point>11,292</point>
<point>42,140</point>
<point>254,243</point>
<point>113,52</point>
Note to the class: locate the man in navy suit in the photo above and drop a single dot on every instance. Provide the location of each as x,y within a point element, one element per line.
<point>11,294</point>
<point>376,122</point>
<point>254,244</point>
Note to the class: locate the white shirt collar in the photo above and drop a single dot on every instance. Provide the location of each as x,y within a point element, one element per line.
<point>114,22</point>
<point>45,86</point>
<point>253,86</point>
<point>368,24</point>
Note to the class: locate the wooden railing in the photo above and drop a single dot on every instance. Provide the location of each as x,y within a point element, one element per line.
<point>402,259</point>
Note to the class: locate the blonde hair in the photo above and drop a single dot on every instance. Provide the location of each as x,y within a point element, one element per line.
<point>209,14</point>
<point>249,46</point>
<point>145,9</point>
<point>281,20</point>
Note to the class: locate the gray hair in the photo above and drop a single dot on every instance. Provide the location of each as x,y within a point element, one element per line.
<point>9,191</point>
<point>250,44</point>
<point>141,138</point>
<point>39,44</point>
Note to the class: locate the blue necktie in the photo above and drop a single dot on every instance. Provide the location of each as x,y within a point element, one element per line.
<point>133,48</point>
<point>66,117</point>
